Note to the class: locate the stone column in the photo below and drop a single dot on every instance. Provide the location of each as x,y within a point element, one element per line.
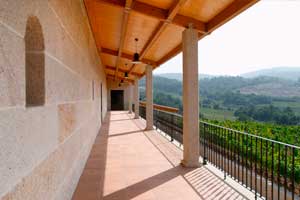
<point>130,98</point>
<point>190,98</point>
<point>136,99</point>
<point>149,98</point>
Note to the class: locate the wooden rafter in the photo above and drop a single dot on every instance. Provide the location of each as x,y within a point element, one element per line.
<point>123,33</point>
<point>119,77</point>
<point>125,56</point>
<point>123,71</point>
<point>167,16</point>
<point>159,13</point>
<point>161,27</point>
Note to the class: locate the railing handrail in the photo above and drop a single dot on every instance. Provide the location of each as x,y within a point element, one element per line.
<point>161,107</point>
<point>252,135</point>
<point>274,165</point>
<point>237,131</point>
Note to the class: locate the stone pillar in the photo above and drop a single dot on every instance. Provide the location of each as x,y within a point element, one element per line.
<point>149,98</point>
<point>136,99</point>
<point>130,98</point>
<point>190,98</point>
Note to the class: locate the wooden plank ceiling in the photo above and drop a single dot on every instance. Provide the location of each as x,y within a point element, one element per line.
<point>158,25</point>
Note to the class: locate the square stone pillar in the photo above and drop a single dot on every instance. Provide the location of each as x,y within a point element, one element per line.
<point>130,98</point>
<point>136,99</point>
<point>149,98</point>
<point>190,98</point>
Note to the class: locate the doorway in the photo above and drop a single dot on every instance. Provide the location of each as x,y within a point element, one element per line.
<point>117,99</point>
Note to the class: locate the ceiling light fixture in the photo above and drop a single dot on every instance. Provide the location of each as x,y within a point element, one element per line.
<point>126,73</point>
<point>136,56</point>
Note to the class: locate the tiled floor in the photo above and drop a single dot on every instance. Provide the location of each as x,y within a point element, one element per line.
<point>127,162</point>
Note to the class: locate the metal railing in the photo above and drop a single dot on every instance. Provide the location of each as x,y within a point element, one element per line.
<point>269,168</point>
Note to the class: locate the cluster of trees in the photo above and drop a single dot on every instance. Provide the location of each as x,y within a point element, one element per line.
<point>233,99</point>
<point>222,93</point>
<point>270,113</point>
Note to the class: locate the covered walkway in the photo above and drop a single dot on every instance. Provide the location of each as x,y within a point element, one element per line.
<point>127,162</point>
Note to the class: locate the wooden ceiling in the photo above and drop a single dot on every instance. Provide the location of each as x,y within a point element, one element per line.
<point>158,25</point>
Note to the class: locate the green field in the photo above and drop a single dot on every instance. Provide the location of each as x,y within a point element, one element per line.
<point>217,114</point>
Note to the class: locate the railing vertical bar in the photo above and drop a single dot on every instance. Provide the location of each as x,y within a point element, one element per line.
<point>218,146</point>
<point>210,145</point>
<point>251,162</point>
<point>243,163</point>
<point>278,173</point>
<point>231,163</point>
<point>234,153</point>
<point>220,149</point>
<point>272,171</point>
<point>214,145</point>
<point>293,173</point>
<point>204,144</point>
<point>224,153</point>
<point>172,129</point>
<point>261,166</point>
<point>266,171</point>
<point>285,171</point>
<point>255,168</point>
<point>227,150</point>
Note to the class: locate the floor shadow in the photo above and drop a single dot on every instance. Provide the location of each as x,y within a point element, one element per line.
<point>202,180</point>
<point>141,187</point>
<point>115,120</point>
<point>91,183</point>
<point>126,133</point>
<point>119,113</point>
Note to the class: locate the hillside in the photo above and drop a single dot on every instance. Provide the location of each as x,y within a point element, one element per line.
<point>289,73</point>
<point>229,98</point>
<point>178,76</point>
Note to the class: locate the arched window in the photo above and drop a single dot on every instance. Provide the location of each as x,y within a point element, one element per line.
<point>35,63</point>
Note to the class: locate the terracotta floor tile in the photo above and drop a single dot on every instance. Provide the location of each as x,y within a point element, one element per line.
<point>127,162</point>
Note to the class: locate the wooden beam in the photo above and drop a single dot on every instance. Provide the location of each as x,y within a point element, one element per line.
<point>159,13</point>
<point>161,27</point>
<point>123,71</point>
<point>230,12</point>
<point>125,56</point>
<point>119,77</point>
<point>184,21</point>
<point>123,33</point>
<point>175,51</point>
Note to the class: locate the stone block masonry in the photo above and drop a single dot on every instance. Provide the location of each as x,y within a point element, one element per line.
<point>48,117</point>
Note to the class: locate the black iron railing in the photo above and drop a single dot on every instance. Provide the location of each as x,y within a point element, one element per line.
<point>269,168</point>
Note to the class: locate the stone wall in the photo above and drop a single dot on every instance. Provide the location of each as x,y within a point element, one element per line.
<point>50,77</point>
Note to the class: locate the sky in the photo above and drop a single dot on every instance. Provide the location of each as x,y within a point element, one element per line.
<point>266,35</point>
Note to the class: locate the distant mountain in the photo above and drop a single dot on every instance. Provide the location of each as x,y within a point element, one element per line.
<point>289,73</point>
<point>178,76</point>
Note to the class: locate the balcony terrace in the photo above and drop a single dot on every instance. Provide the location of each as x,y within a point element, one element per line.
<point>127,162</point>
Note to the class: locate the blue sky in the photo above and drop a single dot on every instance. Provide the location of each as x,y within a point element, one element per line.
<point>264,36</point>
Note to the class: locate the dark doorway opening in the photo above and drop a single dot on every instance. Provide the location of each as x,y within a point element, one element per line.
<point>117,99</point>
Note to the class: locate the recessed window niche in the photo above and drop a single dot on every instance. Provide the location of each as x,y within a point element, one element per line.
<point>34,63</point>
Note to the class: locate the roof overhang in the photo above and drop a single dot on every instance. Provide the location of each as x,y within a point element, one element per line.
<point>158,24</point>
